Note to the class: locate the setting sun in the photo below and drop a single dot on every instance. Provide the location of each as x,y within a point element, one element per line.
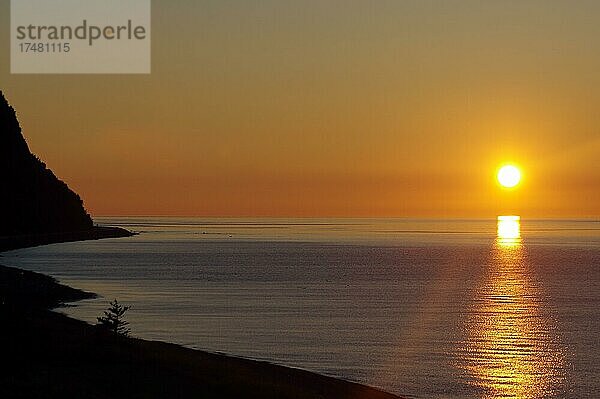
<point>509,176</point>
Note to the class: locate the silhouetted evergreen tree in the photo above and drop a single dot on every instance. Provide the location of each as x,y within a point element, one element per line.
<point>113,319</point>
<point>32,198</point>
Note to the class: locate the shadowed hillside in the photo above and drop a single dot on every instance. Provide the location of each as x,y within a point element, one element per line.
<point>33,199</point>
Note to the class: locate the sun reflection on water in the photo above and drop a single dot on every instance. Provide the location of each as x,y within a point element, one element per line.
<point>511,348</point>
<point>509,231</point>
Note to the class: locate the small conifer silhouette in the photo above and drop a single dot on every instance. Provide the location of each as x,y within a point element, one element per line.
<point>113,319</point>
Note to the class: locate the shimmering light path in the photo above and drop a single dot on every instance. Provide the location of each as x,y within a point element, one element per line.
<point>512,350</point>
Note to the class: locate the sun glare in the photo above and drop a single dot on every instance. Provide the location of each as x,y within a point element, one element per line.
<point>509,176</point>
<point>509,227</point>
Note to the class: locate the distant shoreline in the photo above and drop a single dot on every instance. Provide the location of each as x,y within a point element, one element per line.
<point>53,356</point>
<point>10,243</point>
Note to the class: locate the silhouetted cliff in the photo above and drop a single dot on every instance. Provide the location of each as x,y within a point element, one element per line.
<point>33,200</point>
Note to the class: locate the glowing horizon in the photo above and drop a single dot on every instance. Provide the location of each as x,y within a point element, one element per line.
<point>399,109</point>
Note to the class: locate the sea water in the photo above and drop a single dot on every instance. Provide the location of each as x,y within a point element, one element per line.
<point>421,308</point>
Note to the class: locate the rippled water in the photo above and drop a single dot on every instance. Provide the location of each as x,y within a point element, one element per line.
<point>422,308</point>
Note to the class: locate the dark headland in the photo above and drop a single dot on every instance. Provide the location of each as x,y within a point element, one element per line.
<point>37,208</point>
<point>48,355</point>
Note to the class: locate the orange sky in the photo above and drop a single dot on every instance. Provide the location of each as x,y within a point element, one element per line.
<point>338,108</point>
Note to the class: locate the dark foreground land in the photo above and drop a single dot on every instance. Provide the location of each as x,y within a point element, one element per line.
<point>48,355</point>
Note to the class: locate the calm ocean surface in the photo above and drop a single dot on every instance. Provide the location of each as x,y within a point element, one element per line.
<point>421,308</point>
